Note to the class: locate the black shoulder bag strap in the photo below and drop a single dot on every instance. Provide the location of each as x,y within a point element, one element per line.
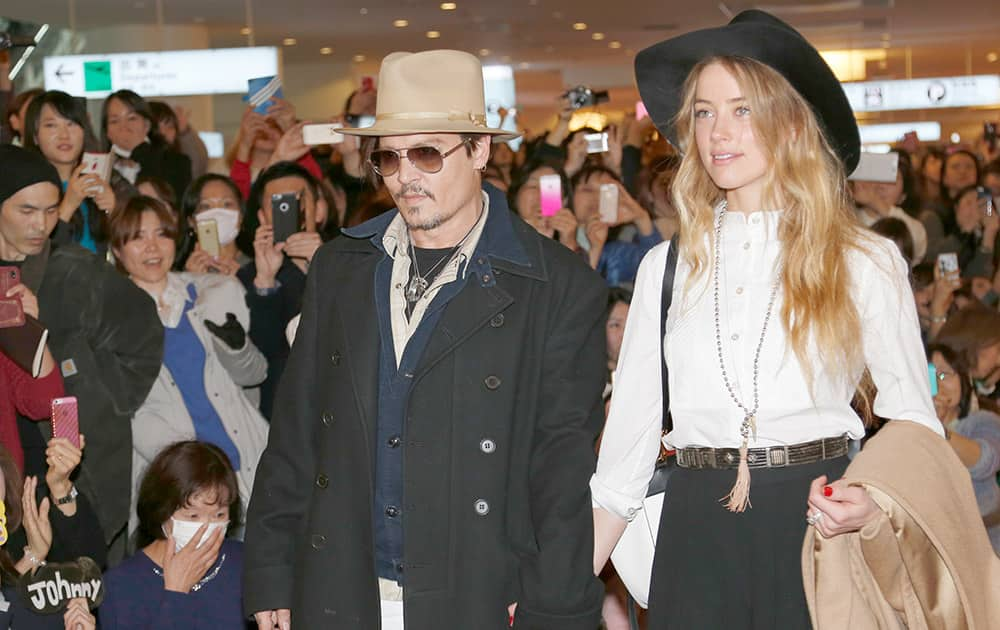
<point>664,467</point>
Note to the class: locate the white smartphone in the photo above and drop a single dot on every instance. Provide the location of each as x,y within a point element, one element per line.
<point>322,134</point>
<point>97,163</point>
<point>876,167</point>
<point>947,264</point>
<point>608,208</point>
<point>596,142</point>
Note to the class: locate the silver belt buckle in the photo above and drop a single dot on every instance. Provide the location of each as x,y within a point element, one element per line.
<point>777,456</point>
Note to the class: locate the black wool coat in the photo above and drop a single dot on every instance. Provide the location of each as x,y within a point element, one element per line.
<point>499,446</point>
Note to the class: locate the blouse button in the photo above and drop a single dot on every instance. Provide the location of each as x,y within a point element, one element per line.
<point>735,337</point>
<point>746,245</point>
<point>487,446</point>
<point>739,290</point>
<point>492,382</point>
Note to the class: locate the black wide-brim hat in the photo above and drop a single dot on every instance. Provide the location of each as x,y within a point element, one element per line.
<point>661,69</point>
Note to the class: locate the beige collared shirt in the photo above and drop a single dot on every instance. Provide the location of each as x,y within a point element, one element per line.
<point>397,243</point>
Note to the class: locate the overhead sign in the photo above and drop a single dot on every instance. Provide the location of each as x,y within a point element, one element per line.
<point>935,93</point>
<point>173,73</point>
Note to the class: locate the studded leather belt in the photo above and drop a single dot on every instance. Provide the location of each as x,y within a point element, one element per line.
<point>771,457</point>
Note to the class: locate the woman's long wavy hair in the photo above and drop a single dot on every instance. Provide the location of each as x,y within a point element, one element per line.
<point>818,227</point>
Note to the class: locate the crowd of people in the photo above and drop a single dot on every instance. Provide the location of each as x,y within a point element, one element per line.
<point>176,353</point>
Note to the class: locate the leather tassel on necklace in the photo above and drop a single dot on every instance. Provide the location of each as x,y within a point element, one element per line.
<point>738,498</point>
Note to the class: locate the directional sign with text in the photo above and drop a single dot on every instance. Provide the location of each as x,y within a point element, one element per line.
<point>934,93</point>
<point>173,73</point>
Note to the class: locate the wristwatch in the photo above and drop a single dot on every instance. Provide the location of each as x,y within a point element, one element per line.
<point>69,498</point>
<point>269,291</point>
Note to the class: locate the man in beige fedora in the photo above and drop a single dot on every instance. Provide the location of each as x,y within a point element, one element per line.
<point>433,434</point>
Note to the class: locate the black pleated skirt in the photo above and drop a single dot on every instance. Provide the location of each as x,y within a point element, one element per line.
<point>714,569</point>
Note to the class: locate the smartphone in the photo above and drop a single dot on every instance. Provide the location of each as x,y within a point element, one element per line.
<point>208,237</point>
<point>97,163</point>
<point>947,264</point>
<point>262,91</point>
<point>876,167</point>
<point>65,420</point>
<point>550,191</point>
<point>11,309</point>
<point>985,197</point>
<point>596,142</point>
<point>322,134</point>
<point>990,134</point>
<point>285,215</point>
<point>932,374</point>
<point>640,110</point>
<point>608,208</point>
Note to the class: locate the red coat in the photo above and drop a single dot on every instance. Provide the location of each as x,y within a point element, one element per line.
<point>31,397</point>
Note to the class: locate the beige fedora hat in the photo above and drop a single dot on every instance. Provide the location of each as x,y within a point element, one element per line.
<point>436,91</point>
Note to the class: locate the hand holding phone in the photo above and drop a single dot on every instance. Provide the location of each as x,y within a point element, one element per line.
<point>550,191</point>
<point>97,163</point>
<point>65,419</point>
<point>285,215</point>
<point>11,308</point>
<point>947,264</point>
<point>322,134</point>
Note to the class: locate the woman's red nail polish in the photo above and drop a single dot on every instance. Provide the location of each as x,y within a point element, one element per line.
<point>827,491</point>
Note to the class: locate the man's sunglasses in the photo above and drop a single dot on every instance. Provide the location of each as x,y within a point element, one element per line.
<point>385,162</point>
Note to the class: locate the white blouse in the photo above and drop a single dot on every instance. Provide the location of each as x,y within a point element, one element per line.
<point>703,412</point>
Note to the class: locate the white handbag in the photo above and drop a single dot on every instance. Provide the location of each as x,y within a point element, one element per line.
<point>633,555</point>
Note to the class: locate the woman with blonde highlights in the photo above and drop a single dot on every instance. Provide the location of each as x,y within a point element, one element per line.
<point>784,310</point>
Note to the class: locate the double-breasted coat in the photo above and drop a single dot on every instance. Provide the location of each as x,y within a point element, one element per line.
<point>499,445</point>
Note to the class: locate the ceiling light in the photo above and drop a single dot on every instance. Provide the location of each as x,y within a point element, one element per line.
<point>358,58</point>
<point>363,11</point>
<point>448,6</point>
<point>401,23</point>
<point>289,41</point>
<point>992,57</point>
<point>433,34</point>
<point>326,50</point>
<point>580,26</point>
<point>524,65</point>
<point>614,44</point>
<point>597,36</point>
<point>245,30</point>
<point>484,52</point>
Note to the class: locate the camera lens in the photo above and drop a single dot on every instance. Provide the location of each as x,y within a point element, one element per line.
<point>283,206</point>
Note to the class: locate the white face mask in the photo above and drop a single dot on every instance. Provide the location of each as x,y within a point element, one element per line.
<point>184,531</point>
<point>228,222</point>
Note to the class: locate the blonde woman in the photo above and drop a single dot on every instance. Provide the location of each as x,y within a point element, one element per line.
<point>781,301</point>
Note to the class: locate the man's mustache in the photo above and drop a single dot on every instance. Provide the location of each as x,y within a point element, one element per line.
<point>409,189</point>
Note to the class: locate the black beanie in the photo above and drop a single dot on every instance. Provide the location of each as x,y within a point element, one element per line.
<point>20,168</point>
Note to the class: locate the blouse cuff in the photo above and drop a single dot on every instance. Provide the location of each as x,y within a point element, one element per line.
<point>621,505</point>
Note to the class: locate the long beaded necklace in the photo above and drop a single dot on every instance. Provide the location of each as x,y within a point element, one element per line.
<point>739,498</point>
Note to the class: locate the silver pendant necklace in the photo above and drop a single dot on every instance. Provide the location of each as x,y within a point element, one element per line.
<point>418,284</point>
<point>749,425</point>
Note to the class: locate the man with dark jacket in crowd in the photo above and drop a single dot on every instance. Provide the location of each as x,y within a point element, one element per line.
<point>433,433</point>
<point>103,332</point>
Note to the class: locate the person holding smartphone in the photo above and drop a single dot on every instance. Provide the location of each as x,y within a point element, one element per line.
<point>969,232</point>
<point>781,301</point>
<point>212,197</point>
<point>59,128</point>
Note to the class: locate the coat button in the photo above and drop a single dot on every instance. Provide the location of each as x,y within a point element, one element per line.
<point>393,442</point>
<point>318,541</point>
<point>335,358</point>
<point>322,480</point>
<point>392,511</point>
<point>327,419</point>
<point>487,446</point>
<point>497,321</point>
<point>482,507</point>
<point>492,382</point>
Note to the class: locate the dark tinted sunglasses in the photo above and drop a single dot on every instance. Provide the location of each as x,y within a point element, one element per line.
<point>385,162</point>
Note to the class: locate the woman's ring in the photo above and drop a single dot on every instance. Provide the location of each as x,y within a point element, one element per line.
<point>814,518</point>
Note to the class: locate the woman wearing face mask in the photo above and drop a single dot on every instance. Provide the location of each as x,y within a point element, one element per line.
<point>59,128</point>
<point>216,198</point>
<point>127,131</point>
<point>207,359</point>
<point>46,531</point>
<point>186,573</point>
<point>973,433</point>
